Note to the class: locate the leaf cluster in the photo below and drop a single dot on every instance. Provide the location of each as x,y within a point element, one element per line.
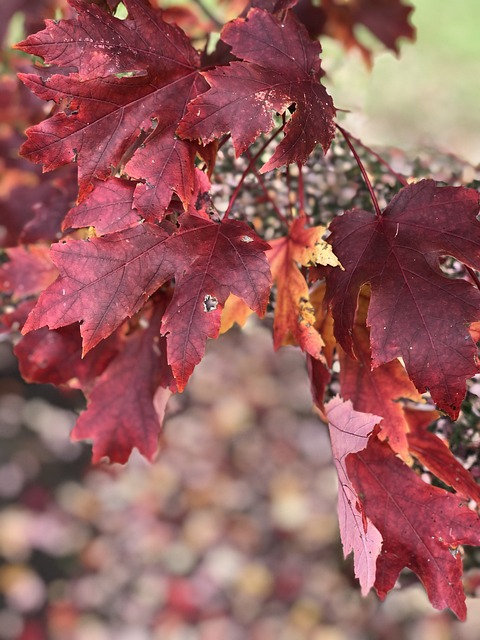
<point>123,264</point>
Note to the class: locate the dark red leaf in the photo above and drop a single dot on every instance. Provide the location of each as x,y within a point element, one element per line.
<point>56,357</point>
<point>97,44</point>
<point>421,525</point>
<point>49,202</point>
<point>105,280</point>
<point>201,203</point>
<point>104,116</point>
<point>165,166</point>
<point>34,13</point>
<point>119,422</point>
<point>388,20</point>
<point>28,271</point>
<point>380,390</point>
<point>434,454</point>
<point>13,318</point>
<point>108,208</point>
<point>416,312</point>
<point>320,377</point>
<point>211,261</point>
<point>280,67</point>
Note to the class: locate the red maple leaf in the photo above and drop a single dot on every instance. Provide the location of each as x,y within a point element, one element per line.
<point>119,422</point>
<point>98,44</point>
<point>211,262</point>
<point>109,107</point>
<point>434,454</point>
<point>109,208</point>
<point>105,280</point>
<point>28,271</point>
<point>388,20</point>
<point>102,281</point>
<point>349,432</point>
<point>398,254</point>
<point>279,67</point>
<point>379,390</point>
<point>201,203</point>
<point>55,357</point>
<point>421,525</point>
<point>165,166</point>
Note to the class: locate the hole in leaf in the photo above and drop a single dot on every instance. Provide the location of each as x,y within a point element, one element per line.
<point>451,267</point>
<point>121,11</point>
<point>210,303</point>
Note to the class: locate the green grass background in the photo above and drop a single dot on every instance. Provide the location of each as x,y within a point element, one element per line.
<point>429,96</point>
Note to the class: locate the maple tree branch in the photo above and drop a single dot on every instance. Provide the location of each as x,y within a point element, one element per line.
<point>261,182</point>
<point>225,138</point>
<point>289,189</point>
<point>301,191</point>
<point>403,181</point>
<point>252,162</point>
<point>366,179</point>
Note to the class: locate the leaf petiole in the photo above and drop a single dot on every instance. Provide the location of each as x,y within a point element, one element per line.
<point>252,162</point>
<point>366,179</point>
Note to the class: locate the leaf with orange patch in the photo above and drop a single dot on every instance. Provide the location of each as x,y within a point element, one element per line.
<point>380,389</point>
<point>295,319</point>
<point>235,311</point>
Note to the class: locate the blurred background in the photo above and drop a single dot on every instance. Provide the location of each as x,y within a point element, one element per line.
<point>232,533</point>
<point>429,96</point>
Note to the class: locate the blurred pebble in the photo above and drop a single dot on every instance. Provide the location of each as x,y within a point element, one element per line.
<point>11,624</point>
<point>23,589</point>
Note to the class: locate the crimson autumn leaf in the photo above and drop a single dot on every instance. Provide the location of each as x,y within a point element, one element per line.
<point>211,262</point>
<point>98,44</point>
<point>102,281</point>
<point>55,357</point>
<point>416,312</point>
<point>349,432</point>
<point>32,205</point>
<point>105,280</point>
<point>109,208</point>
<point>201,203</point>
<point>280,66</point>
<point>164,166</point>
<point>28,271</point>
<point>421,525</point>
<point>377,390</point>
<point>12,319</point>
<point>119,422</point>
<point>320,376</point>
<point>388,20</point>
<point>50,201</point>
<point>106,110</point>
<point>434,454</point>
<point>34,12</point>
